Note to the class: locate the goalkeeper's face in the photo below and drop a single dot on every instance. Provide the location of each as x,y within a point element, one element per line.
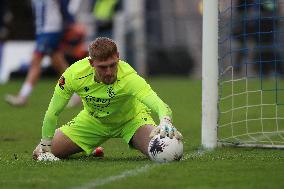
<point>106,70</point>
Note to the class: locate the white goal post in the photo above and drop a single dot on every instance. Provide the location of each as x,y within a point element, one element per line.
<point>209,73</point>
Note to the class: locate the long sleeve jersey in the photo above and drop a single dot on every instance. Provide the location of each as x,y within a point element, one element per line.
<point>111,104</point>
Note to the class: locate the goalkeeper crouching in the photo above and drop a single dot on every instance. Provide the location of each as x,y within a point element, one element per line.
<point>117,104</point>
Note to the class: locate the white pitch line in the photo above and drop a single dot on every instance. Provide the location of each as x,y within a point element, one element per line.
<point>124,174</point>
<point>131,173</point>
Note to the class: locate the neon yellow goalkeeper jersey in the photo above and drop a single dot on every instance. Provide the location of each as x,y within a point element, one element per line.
<point>111,104</point>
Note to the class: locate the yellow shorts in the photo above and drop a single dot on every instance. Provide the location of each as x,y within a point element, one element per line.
<point>88,132</point>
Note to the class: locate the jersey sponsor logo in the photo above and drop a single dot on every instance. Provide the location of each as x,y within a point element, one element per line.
<point>97,100</point>
<point>99,104</point>
<point>61,82</point>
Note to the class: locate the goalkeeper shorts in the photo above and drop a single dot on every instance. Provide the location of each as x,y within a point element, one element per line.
<point>88,132</point>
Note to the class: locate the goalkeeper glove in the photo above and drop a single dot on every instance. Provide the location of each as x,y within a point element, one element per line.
<point>47,156</point>
<point>166,128</point>
<point>45,145</point>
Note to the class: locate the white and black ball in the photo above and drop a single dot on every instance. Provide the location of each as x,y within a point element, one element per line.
<point>165,149</point>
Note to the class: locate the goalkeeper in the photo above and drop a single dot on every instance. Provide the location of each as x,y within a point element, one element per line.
<point>117,104</point>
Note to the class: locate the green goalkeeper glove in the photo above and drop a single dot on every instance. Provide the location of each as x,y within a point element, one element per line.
<point>166,128</point>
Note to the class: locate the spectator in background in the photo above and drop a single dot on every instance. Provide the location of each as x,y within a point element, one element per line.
<point>51,19</point>
<point>104,11</point>
<point>73,44</point>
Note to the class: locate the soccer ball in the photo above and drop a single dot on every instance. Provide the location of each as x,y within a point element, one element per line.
<point>165,149</point>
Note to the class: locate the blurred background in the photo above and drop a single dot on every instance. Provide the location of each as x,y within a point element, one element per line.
<point>161,37</point>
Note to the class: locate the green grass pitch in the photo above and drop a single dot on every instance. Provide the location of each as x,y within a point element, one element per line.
<point>121,167</point>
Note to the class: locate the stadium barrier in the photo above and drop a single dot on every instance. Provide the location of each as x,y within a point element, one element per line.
<point>16,55</point>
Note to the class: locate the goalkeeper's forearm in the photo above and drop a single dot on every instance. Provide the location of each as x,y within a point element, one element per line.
<point>157,105</point>
<point>55,107</point>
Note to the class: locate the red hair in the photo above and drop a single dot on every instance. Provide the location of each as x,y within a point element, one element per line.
<point>102,49</point>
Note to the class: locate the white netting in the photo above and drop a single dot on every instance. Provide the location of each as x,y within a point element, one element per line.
<point>251,85</point>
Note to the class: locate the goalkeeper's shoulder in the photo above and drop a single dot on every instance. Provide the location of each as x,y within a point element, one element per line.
<point>81,67</point>
<point>125,69</point>
<point>77,72</point>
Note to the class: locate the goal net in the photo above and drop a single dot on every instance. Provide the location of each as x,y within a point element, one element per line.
<point>250,101</point>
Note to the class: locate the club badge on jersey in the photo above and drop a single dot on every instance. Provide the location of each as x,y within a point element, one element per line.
<point>61,82</point>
